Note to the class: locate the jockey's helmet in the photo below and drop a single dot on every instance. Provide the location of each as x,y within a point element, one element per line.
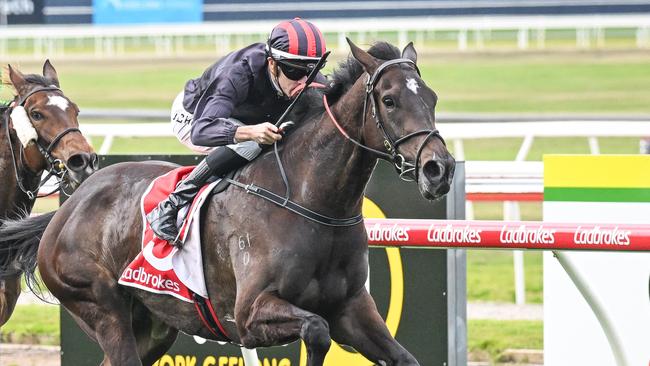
<point>296,44</point>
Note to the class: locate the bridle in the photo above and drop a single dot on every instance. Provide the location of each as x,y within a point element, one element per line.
<point>407,170</point>
<point>55,167</point>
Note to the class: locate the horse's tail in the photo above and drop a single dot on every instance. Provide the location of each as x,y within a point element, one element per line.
<point>19,241</point>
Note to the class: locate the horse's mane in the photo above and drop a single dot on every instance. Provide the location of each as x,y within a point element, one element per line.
<point>341,80</point>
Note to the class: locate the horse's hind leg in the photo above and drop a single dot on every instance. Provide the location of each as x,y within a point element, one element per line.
<point>273,321</point>
<point>104,312</point>
<point>359,325</point>
<point>152,335</point>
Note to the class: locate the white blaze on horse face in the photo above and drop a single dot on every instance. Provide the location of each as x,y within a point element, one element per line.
<point>23,126</point>
<point>412,85</point>
<point>58,101</point>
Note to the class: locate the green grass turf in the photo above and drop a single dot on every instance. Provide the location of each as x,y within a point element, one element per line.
<point>543,84</point>
<point>32,324</point>
<point>490,276</point>
<point>493,337</point>
<point>589,82</point>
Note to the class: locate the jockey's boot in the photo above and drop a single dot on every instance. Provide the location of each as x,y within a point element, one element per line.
<point>163,219</point>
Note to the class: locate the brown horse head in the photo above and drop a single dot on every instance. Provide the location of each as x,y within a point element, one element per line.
<point>59,144</point>
<point>403,107</point>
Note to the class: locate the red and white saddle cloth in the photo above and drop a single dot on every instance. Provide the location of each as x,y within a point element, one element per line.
<point>161,267</point>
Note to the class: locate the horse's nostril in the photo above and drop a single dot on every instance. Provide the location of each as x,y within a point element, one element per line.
<point>432,170</point>
<point>78,161</point>
<point>94,161</point>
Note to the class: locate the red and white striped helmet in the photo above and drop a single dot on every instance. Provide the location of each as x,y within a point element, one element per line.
<point>297,40</point>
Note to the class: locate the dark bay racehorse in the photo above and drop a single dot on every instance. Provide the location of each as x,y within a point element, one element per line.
<point>59,142</point>
<point>273,276</point>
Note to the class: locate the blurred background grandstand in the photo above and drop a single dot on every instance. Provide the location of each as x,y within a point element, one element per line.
<point>125,28</point>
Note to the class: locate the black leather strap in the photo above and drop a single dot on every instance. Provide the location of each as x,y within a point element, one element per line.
<point>296,208</point>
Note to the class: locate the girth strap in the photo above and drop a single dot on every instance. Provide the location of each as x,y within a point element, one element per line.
<point>209,317</point>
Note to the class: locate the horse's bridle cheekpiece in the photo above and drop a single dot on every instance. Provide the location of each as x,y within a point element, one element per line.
<point>55,166</point>
<point>407,170</point>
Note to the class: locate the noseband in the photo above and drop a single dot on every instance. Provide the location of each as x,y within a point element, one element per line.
<point>407,170</point>
<point>54,166</point>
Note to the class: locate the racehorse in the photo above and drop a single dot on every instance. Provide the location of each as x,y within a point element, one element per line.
<point>60,149</point>
<point>273,275</point>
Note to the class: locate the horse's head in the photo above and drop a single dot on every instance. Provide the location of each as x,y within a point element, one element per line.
<point>46,122</point>
<point>403,110</point>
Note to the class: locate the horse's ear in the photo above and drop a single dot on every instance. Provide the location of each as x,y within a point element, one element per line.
<point>17,80</point>
<point>368,62</point>
<point>50,73</point>
<point>409,52</point>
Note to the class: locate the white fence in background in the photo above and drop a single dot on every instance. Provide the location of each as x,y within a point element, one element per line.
<point>455,132</point>
<point>173,40</point>
<point>515,177</point>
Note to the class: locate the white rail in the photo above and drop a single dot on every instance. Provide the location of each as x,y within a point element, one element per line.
<point>452,131</point>
<point>171,40</point>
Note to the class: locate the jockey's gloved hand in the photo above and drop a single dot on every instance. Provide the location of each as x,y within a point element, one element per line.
<point>264,133</point>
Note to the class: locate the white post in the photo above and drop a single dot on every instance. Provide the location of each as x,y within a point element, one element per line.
<point>582,38</point>
<point>106,145</point>
<point>522,39</point>
<point>593,145</point>
<point>402,38</point>
<point>597,307</point>
<point>642,36</point>
<point>343,44</point>
<point>250,356</point>
<point>525,148</point>
<point>462,40</point>
<point>511,212</point>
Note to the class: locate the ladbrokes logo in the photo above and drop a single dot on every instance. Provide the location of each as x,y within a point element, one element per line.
<point>450,234</point>
<point>598,236</point>
<point>390,233</point>
<point>524,235</point>
<point>156,281</point>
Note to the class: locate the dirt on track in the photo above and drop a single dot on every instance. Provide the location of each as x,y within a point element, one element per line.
<point>29,355</point>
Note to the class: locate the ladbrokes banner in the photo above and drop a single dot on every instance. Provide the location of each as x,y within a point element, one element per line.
<point>147,11</point>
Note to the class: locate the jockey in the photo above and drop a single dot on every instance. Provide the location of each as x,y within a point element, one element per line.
<point>229,111</point>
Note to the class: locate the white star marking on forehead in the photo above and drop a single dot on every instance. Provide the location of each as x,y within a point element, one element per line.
<point>58,101</point>
<point>412,85</point>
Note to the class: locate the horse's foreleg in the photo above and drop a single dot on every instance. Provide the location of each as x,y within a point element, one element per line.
<point>273,321</point>
<point>359,325</point>
<point>9,292</point>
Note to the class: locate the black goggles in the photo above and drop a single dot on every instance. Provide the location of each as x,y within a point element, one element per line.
<point>295,71</point>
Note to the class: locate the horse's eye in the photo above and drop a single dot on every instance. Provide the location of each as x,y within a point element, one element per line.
<point>36,116</point>
<point>388,102</point>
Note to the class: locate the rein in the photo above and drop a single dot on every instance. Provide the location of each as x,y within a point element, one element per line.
<point>55,166</point>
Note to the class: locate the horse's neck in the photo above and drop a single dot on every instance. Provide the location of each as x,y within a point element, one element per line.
<point>327,170</point>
